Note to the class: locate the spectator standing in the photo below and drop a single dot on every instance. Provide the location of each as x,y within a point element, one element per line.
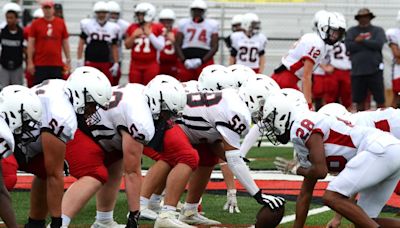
<point>364,43</point>
<point>196,42</point>
<point>393,36</point>
<point>168,58</point>
<point>145,38</point>
<point>12,49</point>
<point>100,37</point>
<point>115,16</point>
<point>47,36</point>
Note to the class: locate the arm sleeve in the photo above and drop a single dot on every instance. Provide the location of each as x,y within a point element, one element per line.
<point>250,139</point>
<point>157,42</point>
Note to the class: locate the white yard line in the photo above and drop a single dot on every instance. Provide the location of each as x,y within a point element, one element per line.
<point>291,218</point>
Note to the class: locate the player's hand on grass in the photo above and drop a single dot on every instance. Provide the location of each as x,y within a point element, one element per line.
<point>271,201</point>
<point>286,166</point>
<point>231,204</point>
<point>335,221</point>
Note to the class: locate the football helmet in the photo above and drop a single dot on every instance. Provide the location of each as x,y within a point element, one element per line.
<point>113,7</point>
<point>147,9</point>
<point>330,28</point>
<point>165,93</point>
<point>296,98</point>
<point>254,93</point>
<point>13,7</point>
<point>335,109</point>
<point>236,22</point>
<point>38,13</point>
<point>167,14</point>
<point>87,85</point>
<point>21,108</point>
<point>215,77</point>
<point>197,10</point>
<point>317,15</point>
<point>251,23</point>
<point>241,73</point>
<point>100,6</point>
<point>271,81</point>
<point>198,4</point>
<point>278,117</point>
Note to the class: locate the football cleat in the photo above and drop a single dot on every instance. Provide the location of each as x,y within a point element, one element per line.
<point>193,217</point>
<point>106,224</point>
<point>168,219</point>
<point>147,214</point>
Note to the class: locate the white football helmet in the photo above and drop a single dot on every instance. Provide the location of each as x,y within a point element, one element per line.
<point>100,6</point>
<point>297,99</point>
<point>316,17</point>
<point>38,13</point>
<point>166,14</point>
<point>342,20</point>
<point>165,93</point>
<point>198,4</point>
<point>148,9</point>
<point>215,77</point>
<point>191,86</point>
<point>88,84</point>
<point>241,73</point>
<point>336,110</point>
<point>254,93</point>
<point>11,6</point>
<point>21,108</point>
<point>237,19</point>
<point>272,82</point>
<point>113,7</point>
<point>251,23</point>
<point>330,28</point>
<point>278,117</point>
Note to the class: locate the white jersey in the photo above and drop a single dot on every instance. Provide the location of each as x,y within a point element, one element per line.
<point>6,140</point>
<point>93,31</point>
<point>341,141</point>
<point>209,117</point>
<point>58,115</point>
<point>128,111</point>
<point>309,46</point>
<point>123,26</point>
<point>247,50</point>
<point>393,36</point>
<point>339,56</point>
<point>197,35</point>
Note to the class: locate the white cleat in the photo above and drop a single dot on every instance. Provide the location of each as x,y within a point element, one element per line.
<point>194,218</point>
<point>156,207</point>
<point>147,214</point>
<point>169,219</point>
<point>107,224</point>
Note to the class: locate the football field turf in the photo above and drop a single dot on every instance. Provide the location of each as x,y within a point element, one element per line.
<point>213,201</point>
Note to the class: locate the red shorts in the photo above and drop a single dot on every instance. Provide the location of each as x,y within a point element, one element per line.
<point>87,158</point>
<point>177,149</point>
<point>318,84</point>
<point>29,79</point>
<point>185,75</point>
<point>142,74</point>
<point>9,168</point>
<point>169,69</point>
<point>103,67</point>
<point>35,165</point>
<point>286,79</point>
<point>207,157</point>
<point>341,86</point>
<point>396,85</point>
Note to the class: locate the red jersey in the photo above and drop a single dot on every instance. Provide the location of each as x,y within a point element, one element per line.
<point>143,50</point>
<point>27,29</point>
<point>168,54</point>
<point>49,36</point>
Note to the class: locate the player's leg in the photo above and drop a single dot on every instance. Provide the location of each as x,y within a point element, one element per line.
<point>359,91</point>
<point>150,72</point>
<point>184,74</point>
<point>38,202</point>
<point>344,86</point>
<point>318,82</point>
<point>6,211</point>
<point>375,85</point>
<point>135,74</point>
<point>331,88</point>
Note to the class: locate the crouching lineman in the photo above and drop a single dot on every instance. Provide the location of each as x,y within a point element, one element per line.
<point>20,109</point>
<point>41,149</point>
<point>118,139</point>
<point>365,158</point>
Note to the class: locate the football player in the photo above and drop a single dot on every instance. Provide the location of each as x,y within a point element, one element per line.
<point>168,58</point>
<point>248,46</point>
<point>236,25</point>
<point>365,158</point>
<point>196,42</point>
<point>115,16</point>
<point>393,36</point>
<point>307,53</point>
<point>145,38</point>
<point>101,39</point>
<point>41,150</point>
<point>118,139</point>
<point>20,109</point>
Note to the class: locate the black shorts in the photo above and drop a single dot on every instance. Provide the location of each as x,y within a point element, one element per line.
<point>47,72</point>
<point>361,84</point>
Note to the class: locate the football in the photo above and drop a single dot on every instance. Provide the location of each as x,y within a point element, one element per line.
<point>267,218</point>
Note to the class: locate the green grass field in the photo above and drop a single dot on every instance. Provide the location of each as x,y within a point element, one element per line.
<point>212,201</point>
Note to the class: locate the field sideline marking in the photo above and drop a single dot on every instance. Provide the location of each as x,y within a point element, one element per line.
<point>291,218</point>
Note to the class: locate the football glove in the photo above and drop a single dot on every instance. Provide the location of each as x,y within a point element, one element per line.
<point>286,166</point>
<point>114,69</point>
<point>272,202</point>
<point>231,202</point>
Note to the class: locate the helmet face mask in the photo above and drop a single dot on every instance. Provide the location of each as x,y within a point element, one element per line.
<point>331,27</point>
<point>255,27</point>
